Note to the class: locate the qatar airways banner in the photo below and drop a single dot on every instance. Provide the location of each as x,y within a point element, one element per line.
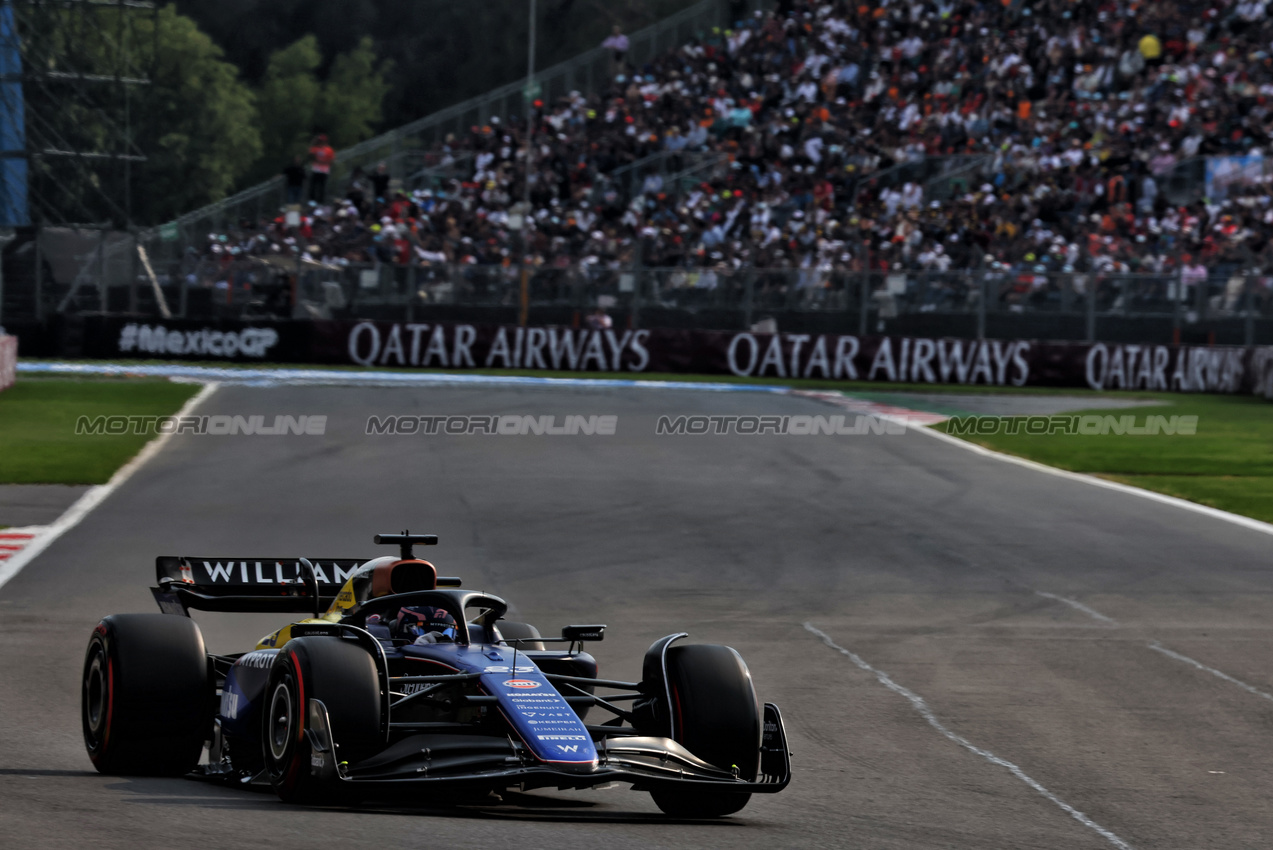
<point>8,361</point>
<point>844,357</point>
<point>922,360</point>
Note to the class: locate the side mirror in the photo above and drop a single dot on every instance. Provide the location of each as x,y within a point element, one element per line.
<point>578,634</point>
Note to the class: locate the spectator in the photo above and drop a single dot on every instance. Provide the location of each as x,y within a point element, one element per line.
<point>617,44</point>
<point>1193,275</point>
<point>294,177</point>
<point>380,182</point>
<point>802,128</point>
<point>599,320</point>
<point>321,157</point>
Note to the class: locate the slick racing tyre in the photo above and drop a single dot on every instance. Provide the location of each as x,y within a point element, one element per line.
<point>519,631</point>
<point>147,698</point>
<point>342,675</point>
<point>717,717</point>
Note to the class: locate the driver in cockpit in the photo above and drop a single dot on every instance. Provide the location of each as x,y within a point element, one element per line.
<point>424,624</point>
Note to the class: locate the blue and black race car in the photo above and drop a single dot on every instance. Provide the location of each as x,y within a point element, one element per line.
<point>399,680</point>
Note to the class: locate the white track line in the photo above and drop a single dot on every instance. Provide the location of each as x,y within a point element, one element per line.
<point>1158,647</point>
<point>95,495</point>
<point>268,377</point>
<point>922,707</point>
<point>1079,606</point>
<point>1214,513</point>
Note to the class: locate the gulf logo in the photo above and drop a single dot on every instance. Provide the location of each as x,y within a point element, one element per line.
<point>524,684</point>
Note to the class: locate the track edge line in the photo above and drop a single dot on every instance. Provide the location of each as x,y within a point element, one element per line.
<point>94,496</point>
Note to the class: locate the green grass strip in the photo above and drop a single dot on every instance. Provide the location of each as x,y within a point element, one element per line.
<point>38,444</point>
<point>1227,464</point>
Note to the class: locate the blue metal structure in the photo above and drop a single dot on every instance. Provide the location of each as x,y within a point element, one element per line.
<point>14,211</point>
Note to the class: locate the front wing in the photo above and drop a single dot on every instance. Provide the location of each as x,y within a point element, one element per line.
<point>474,761</point>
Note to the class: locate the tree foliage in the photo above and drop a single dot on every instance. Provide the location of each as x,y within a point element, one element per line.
<point>202,119</point>
<point>294,103</point>
<point>240,86</point>
<point>195,121</point>
<point>287,102</point>
<point>443,51</point>
<point>353,95</point>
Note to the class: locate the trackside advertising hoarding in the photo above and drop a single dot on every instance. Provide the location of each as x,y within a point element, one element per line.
<point>923,360</point>
<point>8,361</point>
<point>1262,371</point>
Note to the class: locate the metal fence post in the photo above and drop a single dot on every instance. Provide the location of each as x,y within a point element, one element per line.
<point>39,277</point>
<point>864,302</point>
<point>1249,304</point>
<point>1203,288</point>
<point>101,271</point>
<point>1091,308</point>
<point>749,297</point>
<point>132,279</point>
<point>981,306</point>
<point>1177,304</point>
<point>638,275</point>
<point>411,292</point>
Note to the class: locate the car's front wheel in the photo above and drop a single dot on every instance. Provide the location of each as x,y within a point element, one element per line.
<point>716,715</point>
<point>340,674</point>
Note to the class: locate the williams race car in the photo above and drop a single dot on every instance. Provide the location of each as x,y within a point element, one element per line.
<point>401,679</point>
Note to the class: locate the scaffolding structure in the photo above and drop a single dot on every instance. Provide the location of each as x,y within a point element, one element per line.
<point>75,82</point>
<point>85,67</point>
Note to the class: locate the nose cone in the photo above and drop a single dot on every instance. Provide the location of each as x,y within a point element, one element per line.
<point>577,767</point>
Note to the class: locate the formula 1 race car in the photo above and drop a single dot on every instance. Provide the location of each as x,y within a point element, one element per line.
<point>401,679</point>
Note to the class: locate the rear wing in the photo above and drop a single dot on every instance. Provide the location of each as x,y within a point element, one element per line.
<point>260,585</point>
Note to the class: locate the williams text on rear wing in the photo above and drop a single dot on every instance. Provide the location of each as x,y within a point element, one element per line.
<point>270,585</point>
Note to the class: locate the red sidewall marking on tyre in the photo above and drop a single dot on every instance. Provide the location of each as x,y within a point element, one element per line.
<point>300,721</point>
<point>110,701</point>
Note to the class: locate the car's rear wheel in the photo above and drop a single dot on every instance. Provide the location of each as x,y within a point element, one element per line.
<point>523,632</point>
<point>342,675</point>
<point>716,715</point>
<point>147,697</point>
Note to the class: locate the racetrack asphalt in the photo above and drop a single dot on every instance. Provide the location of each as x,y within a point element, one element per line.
<point>1023,609</point>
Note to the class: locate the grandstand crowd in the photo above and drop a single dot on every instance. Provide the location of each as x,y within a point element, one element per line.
<point>1070,115</point>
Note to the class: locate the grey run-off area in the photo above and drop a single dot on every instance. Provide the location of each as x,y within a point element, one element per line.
<point>926,561</point>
